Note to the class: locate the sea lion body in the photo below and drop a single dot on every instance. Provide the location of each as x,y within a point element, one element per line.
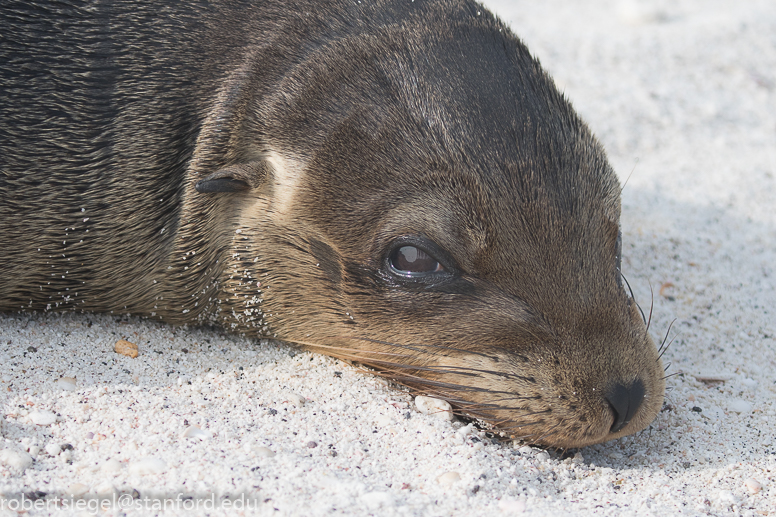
<point>397,183</point>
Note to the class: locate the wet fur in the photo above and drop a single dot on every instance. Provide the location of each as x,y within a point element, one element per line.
<point>349,125</point>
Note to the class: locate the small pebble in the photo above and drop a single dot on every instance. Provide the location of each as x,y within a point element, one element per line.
<point>435,407</point>
<point>312,445</point>
<point>749,383</point>
<point>66,383</point>
<point>726,497</point>
<point>294,398</point>
<point>374,500</point>
<point>465,430</point>
<point>740,406</point>
<point>147,466</point>
<point>111,466</point>
<point>578,458</point>
<point>105,489</point>
<point>448,478</point>
<point>753,486</point>
<point>42,417</point>
<point>18,460</point>
<point>126,348</point>
<point>508,506</point>
<point>77,490</point>
<point>195,432</point>
<point>383,421</point>
<point>713,377</point>
<point>264,452</point>
<point>53,449</point>
<point>542,456</point>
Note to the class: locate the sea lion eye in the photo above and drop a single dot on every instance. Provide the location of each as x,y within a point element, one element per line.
<point>413,261</point>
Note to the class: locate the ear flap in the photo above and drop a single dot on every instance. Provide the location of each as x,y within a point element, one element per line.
<point>235,178</point>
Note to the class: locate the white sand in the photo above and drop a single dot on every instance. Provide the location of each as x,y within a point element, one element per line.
<point>683,94</point>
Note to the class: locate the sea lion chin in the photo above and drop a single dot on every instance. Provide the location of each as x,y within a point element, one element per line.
<point>398,184</point>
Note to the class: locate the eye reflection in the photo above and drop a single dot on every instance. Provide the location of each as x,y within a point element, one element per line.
<point>412,261</point>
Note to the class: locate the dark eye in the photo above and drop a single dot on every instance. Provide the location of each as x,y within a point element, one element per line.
<point>413,261</point>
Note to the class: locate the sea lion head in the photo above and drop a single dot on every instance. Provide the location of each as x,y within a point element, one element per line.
<point>420,198</point>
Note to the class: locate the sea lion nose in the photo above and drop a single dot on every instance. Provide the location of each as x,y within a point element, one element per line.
<point>624,401</point>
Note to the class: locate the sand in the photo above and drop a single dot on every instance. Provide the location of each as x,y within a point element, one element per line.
<point>683,96</point>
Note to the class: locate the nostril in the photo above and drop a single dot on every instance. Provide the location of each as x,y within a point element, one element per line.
<point>624,401</point>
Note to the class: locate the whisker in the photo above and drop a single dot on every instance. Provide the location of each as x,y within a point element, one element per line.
<point>401,376</point>
<point>530,438</point>
<point>350,351</point>
<point>519,428</point>
<point>523,424</point>
<point>651,305</point>
<point>415,347</point>
<point>415,382</point>
<point>548,433</point>
<point>634,297</point>
<point>629,176</point>
<point>492,407</point>
<point>445,348</point>
<point>518,425</point>
<point>457,370</point>
<point>663,346</point>
<point>367,357</point>
<point>662,343</point>
<point>432,370</point>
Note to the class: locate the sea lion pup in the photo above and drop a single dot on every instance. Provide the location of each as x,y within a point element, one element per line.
<point>393,182</point>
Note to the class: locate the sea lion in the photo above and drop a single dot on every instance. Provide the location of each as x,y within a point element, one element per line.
<point>393,182</point>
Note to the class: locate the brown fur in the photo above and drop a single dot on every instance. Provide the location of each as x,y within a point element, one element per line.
<point>326,133</point>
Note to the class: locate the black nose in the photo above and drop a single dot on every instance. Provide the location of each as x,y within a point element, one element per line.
<point>624,401</point>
